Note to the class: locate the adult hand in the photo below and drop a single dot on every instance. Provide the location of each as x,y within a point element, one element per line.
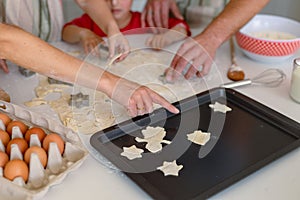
<point>3,65</point>
<point>195,53</point>
<point>156,13</point>
<point>138,99</point>
<point>90,41</point>
<point>117,43</point>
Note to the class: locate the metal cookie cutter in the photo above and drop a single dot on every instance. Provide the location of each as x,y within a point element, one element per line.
<point>26,72</point>
<point>79,100</point>
<point>164,80</point>
<point>103,47</point>
<point>54,81</point>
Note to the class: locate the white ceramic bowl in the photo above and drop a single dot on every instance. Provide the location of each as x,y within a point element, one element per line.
<point>269,38</point>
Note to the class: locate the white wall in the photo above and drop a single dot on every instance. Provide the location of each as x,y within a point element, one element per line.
<point>138,5</point>
<point>286,8</point>
<point>71,9</point>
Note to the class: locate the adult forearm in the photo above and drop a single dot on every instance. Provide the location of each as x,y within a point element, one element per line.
<point>236,14</point>
<point>32,53</point>
<point>35,54</point>
<point>28,51</point>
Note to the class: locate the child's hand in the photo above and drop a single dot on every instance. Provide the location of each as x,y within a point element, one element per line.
<point>118,43</point>
<point>173,35</point>
<point>158,41</point>
<point>90,41</point>
<point>3,65</point>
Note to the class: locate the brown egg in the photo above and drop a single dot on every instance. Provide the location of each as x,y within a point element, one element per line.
<point>4,137</point>
<point>22,144</point>
<point>39,151</point>
<point>53,137</point>
<point>23,127</point>
<point>5,118</point>
<point>16,168</point>
<point>35,130</point>
<point>3,158</point>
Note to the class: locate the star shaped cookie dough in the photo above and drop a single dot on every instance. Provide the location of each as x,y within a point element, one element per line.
<point>132,152</point>
<point>199,137</point>
<point>170,168</point>
<point>220,107</point>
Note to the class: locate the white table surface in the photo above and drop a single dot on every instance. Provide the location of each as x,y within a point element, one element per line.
<point>278,180</point>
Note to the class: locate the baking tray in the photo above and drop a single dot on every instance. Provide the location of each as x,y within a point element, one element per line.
<point>242,141</point>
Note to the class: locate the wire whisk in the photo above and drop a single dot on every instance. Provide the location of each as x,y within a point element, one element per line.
<point>270,78</point>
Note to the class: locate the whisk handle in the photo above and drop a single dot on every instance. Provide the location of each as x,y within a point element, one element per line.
<point>237,83</point>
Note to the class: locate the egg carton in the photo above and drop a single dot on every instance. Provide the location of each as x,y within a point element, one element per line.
<point>59,165</point>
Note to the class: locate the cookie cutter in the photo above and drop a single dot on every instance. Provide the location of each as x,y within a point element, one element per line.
<point>26,72</point>
<point>103,47</point>
<point>164,80</point>
<point>54,81</point>
<point>79,100</point>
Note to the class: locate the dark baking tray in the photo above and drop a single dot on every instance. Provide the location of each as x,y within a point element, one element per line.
<point>251,136</point>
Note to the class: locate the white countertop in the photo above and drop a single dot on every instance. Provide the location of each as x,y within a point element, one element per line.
<point>278,180</point>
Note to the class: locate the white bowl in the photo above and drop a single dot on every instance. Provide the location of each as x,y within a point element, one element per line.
<point>269,38</point>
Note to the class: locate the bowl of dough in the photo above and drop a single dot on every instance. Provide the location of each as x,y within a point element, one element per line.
<point>269,38</point>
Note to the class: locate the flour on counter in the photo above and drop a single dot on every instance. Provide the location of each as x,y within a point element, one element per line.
<point>86,120</point>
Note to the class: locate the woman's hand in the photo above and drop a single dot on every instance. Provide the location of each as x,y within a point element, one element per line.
<point>137,99</point>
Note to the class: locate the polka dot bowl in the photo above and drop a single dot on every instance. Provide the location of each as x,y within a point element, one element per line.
<point>269,38</point>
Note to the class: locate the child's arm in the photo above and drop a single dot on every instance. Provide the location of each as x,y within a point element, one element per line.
<point>100,13</point>
<point>172,35</point>
<point>89,40</point>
